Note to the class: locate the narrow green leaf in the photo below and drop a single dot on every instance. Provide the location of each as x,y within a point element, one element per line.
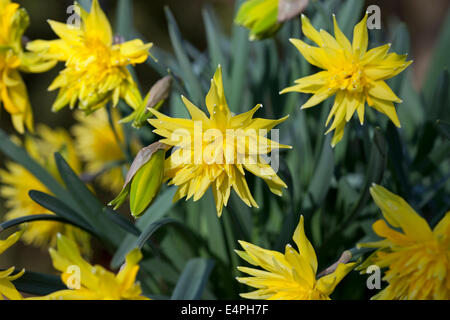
<point>124,19</point>
<point>400,45</point>
<point>440,59</point>
<point>191,80</point>
<point>19,155</point>
<point>320,182</point>
<point>35,217</point>
<point>155,212</point>
<point>213,231</point>
<point>61,209</point>
<point>349,15</point>
<point>439,105</point>
<point>214,42</point>
<point>151,229</point>
<point>375,170</point>
<point>86,201</point>
<point>193,280</point>
<point>90,208</point>
<point>239,65</point>
<point>39,284</point>
<point>397,158</point>
<point>444,128</point>
<point>121,221</point>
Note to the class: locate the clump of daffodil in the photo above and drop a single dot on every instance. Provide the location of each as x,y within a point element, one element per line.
<point>417,258</point>
<point>352,73</point>
<point>17,182</point>
<point>101,147</point>
<point>288,276</point>
<point>214,151</point>
<point>7,289</point>
<point>13,92</point>
<point>94,282</point>
<point>95,67</point>
<point>265,17</point>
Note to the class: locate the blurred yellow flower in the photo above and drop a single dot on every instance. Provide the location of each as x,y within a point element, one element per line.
<point>352,73</point>
<point>7,289</point>
<point>95,67</point>
<point>94,282</point>
<point>100,147</point>
<point>18,181</point>
<point>288,276</point>
<point>215,151</point>
<point>417,258</point>
<point>13,92</point>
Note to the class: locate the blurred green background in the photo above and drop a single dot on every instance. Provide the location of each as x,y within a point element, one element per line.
<point>424,21</point>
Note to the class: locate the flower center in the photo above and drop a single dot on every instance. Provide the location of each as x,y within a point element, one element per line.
<point>349,76</point>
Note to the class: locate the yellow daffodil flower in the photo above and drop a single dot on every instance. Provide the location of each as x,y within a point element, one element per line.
<point>417,258</point>
<point>95,67</point>
<point>288,276</point>
<point>18,181</point>
<point>214,151</point>
<point>99,146</point>
<point>88,282</point>
<point>13,92</point>
<point>351,72</point>
<point>7,289</point>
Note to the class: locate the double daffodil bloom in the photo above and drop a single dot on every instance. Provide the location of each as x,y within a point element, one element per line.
<point>95,67</point>
<point>88,282</point>
<point>215,150</point>
<point>13,92</point>
<point>417,258</point>
<point>352,73</point>
<point>7,289</point>
<point>17,182</point>
<point>102,148</point>
<point>288,276</point>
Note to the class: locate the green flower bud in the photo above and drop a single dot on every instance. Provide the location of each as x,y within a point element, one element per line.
<point>155,98</point>
<point>265,17</point>
<point>146,183</point>
<point>144,179</point>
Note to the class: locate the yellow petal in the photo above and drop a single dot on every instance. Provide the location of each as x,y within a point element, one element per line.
<point>309,84</point>
<point>399,214</point>
<point>340,37</point>
<point>310,32</point>
<point>97,24</point>
<point>382,91</point>
<point>318,97</point>
<point>360,37</point>
<point>304,246</point>
<point>386,107</point>
<point>315,56</point>
<point>328,283</point>
<point>11,240</point>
